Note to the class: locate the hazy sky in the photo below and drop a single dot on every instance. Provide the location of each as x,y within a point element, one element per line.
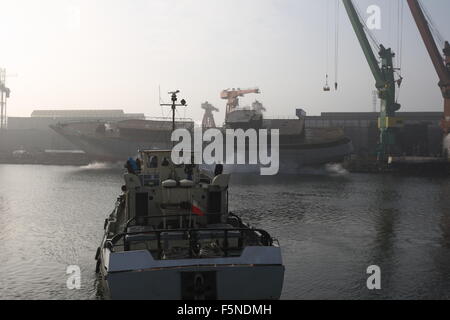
<point>113,54</point>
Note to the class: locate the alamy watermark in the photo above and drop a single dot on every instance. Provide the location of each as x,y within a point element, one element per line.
<point>74,280</point>
<point>231,148</point>
<point>374,280</point>
<point>374,20</point>
<point>73,18</point>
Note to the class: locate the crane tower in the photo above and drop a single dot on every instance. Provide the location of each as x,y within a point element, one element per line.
<point>4,95</point>
<point>208,117</point>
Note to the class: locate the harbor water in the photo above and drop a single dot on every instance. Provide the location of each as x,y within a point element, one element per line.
<point>331,226</point>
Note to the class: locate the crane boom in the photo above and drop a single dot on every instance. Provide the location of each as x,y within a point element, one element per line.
<point>384,82</point>
<point>430,44</point>
<point>363,41</point>
<point>226,94</point>
<point>441,65</point>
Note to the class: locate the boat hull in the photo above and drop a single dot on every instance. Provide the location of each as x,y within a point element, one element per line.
<point>222,283</point>
<point>294,160</point>
<point>257,274</point>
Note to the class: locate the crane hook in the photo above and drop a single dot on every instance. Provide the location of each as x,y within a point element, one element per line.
<point>326,87</point>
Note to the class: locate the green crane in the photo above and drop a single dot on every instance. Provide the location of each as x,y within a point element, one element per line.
<point>384,81</point>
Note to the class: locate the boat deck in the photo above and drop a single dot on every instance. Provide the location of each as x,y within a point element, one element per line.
<point>213,241</point>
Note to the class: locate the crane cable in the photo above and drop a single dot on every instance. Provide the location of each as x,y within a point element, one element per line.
<point>400,19</point>
<point>400,24</point>
<point>336,46</point>
<point>390,21</point>
<point>372,37</point>
<point>327,31</point>
<point>434,30</point>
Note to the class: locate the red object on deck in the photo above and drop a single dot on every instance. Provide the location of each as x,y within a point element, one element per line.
<point>196,210</point>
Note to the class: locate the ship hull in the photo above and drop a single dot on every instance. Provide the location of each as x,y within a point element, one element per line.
<point>257,275</point>
<point>308,152</point>
<point>293,159</point>
<point>111,149</point>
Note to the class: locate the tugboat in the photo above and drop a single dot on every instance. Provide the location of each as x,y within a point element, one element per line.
<point>171,236</point>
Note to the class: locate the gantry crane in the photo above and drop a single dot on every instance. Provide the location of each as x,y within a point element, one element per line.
<point>441,64</point>
<point>208,117</point>
<point>232,97</point>
<point>384,82</point>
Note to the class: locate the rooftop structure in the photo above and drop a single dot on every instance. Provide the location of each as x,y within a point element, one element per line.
<point>86,114</point>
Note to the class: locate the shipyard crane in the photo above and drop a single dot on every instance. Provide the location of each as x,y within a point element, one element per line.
<point>208,117</point>
<point>384,81</point>
<point>441,64</point>
<point>4,95</point>
<point>232,97</point>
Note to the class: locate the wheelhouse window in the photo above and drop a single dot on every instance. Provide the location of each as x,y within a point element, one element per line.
<point>152,162</point>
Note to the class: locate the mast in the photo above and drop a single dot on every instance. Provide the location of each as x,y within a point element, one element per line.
<point>384,82</point>
<point>174,106</point>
